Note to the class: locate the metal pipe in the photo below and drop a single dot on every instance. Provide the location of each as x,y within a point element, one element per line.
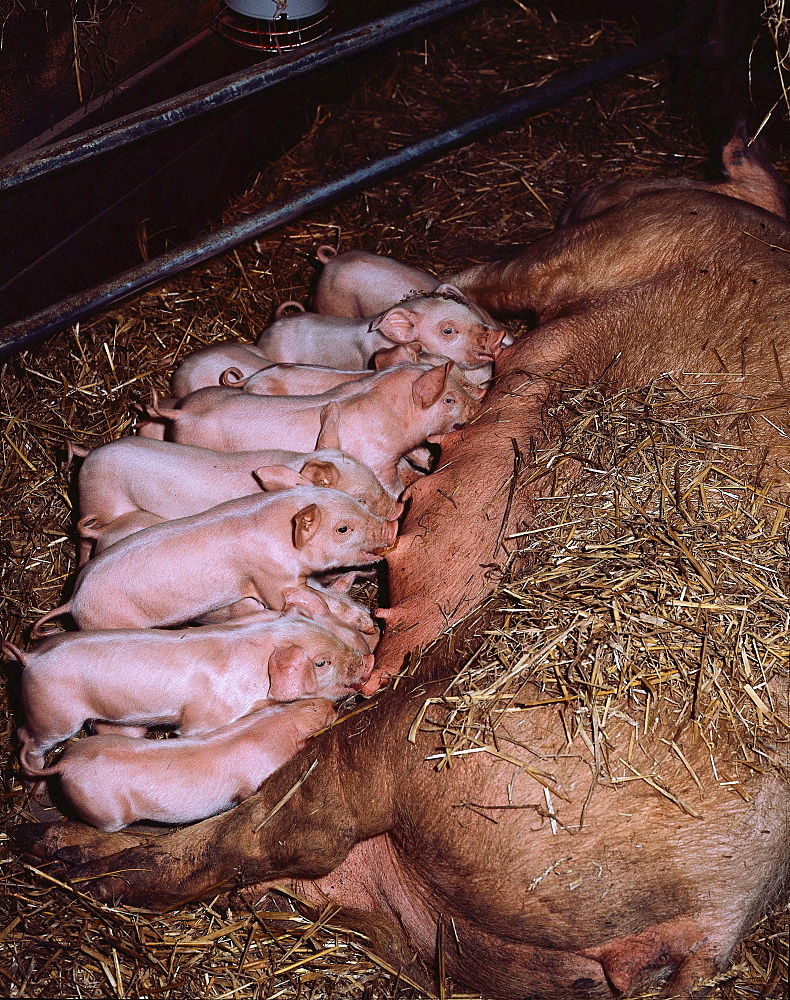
<point>15,170</point>
<point>33,147</point>
<point>29,331</point>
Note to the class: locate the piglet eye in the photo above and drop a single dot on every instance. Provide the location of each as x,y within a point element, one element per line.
<point>449,399</point>
<point>320,663</point>
<point>343,529</point>
<point>448,331</point>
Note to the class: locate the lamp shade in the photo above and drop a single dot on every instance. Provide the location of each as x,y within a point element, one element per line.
<point>270,10</point>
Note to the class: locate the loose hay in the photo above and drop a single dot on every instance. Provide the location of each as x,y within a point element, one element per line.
<point>655,575</point>
<point>604,599</point>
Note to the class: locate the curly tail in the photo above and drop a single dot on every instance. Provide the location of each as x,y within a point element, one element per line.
<point>31,769</point>
<point>233,377</point>
<point>72,449</point>
<point>290,305</point>
<point>155,410</point>
<point>325,253</point>
<point>12,653</point>
<point>36,633</point>
<point>89,527</point>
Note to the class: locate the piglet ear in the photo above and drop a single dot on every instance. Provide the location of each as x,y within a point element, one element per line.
<point>341,583</point>
<point>452,291</point>
<point>321,473</point>
<point>400,354</point>
<point>397,324</point>
<point>305,524</point>
<point>305,600</point>
<point>429,387</point>
<point>291,674</point>
<point>278,477</point>
<point>329,434</point>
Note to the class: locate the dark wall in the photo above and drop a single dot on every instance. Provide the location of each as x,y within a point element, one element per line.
<point>58,55</point>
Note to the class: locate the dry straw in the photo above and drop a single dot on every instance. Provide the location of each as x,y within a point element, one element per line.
<point>654,574</point>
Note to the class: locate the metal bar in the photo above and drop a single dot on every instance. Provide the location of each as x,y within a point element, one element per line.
<point>33,147</point>
<point>26,332</point>
<point>15,171</point>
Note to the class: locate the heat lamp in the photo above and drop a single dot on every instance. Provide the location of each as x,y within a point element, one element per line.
<point>273,25</point>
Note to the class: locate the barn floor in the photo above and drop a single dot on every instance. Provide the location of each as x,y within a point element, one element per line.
<point>500,191</point>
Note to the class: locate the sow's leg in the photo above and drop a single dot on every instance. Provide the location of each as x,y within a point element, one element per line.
<point>302,822</point>
<point>517,907</point>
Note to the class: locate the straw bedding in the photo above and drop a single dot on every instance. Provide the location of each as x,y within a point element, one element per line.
<point>660,581</point>
<point>654,576</point>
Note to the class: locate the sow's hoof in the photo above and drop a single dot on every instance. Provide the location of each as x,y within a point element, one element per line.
<point>142,877</point>
<point>69,842</point>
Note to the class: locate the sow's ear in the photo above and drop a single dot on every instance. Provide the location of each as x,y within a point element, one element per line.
<point>278,477</point>
<point>397,324</point>
<point>291,674</point>
<point>305,524</point>
<point>321,473</point>
<point>429,387</point>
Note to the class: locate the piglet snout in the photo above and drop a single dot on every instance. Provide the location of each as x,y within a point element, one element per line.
<point>490,343</point>
<point>395,512</point>
<point>389,538</point>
